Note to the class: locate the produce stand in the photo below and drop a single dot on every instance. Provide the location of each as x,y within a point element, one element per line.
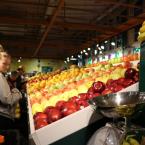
<point>76,128</point>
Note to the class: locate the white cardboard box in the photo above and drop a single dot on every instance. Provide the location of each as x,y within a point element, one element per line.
<point>66,126</point>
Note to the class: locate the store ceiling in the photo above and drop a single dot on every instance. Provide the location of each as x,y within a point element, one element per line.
<point>60,28</point>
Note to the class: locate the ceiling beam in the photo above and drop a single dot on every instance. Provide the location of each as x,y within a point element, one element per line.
<point>82,26</point>
<point>121,28</point>
<point>21,3</point>
<point>98,3</point>
<point>74,26</point>
<point>22,21</point>
<point>114,2</point>
<point>54,44</point>
<point>49,26</point>
<point>36,22</point>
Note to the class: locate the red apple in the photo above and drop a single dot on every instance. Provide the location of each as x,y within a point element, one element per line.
<point>136,77</point>
<point>82,96</point>
<point>118,88</point>
<point>90,96</point>
<point>130,73</point>
<point>109,82</point>
<point>40,124</point>
<point>107,91</point>
<point>54,115</point>
<point>48,108</point>
<point>121,81</point>
<point>83,103</point>
<point>60,104</point>
<point>128,82</point>
<point>98,87</point>
<point>70,104</point>
<point>74,99</point>
<point>40,116</point>
<point>91,90</point>
<point>67,111</point>
<point>96,95</point>
<point>69,108</point>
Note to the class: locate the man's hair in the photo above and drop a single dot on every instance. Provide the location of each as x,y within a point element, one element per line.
<point>2,50</point>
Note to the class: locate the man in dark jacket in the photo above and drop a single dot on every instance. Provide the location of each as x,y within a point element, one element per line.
<point>20,78</point>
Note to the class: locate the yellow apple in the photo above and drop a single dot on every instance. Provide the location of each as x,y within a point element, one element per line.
<point>82,89</point>
<point>36,108</point>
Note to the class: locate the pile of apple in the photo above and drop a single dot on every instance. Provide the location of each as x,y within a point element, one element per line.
<point>64,108</point>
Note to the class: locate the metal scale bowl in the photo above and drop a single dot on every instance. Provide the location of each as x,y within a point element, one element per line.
<point>121,104</point>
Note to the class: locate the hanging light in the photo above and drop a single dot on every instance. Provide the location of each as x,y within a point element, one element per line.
<point>99,48</point>
<point>19,60</point>
<point>95,52</point>
<point>84,51</point>
<point>79,56</point>
<point>67,59</point>
<point>81,52</point>
<point>106,41</point>
<point>89,49</point>
<point>113,43</point>
<point>102,47</point>
<point>72,56</point>
<point>97,45</point>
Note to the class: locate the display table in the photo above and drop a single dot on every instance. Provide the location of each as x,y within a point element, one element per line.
<point>70,128</point>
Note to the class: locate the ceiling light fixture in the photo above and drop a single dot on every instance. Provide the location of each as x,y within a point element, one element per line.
<point>95,52</point>
<point>89,49</point>
<point>84,51</point>
<point>106,41</point>
<point>113,43</point>
<point>102,47</point>
<point>99,48</point>
<point>19,60</point>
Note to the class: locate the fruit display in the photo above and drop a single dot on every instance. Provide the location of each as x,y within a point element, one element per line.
<point>56,96</point>
<point>141,36</point>
<point>125,58</point>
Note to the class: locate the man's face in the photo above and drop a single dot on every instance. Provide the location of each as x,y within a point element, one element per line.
<point>4,62</point>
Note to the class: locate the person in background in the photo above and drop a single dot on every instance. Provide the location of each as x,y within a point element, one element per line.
<point>20,78</point>
<point>12,79</point>
<point>8,97</point>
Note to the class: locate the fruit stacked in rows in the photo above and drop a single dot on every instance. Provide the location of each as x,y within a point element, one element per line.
<point>64,108</point>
